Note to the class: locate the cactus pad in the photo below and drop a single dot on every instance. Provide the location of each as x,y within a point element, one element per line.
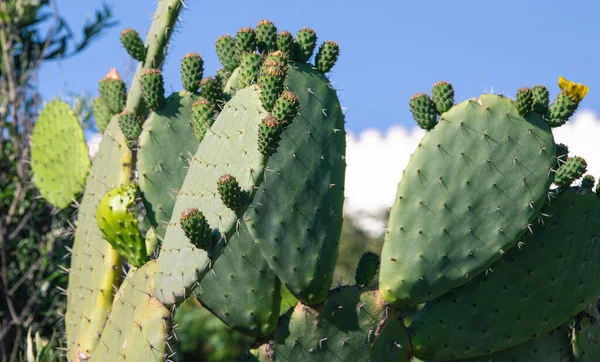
<point>586,335</point>
<point>368,266</point>
<point>469,191</point>
<point>59,154</point>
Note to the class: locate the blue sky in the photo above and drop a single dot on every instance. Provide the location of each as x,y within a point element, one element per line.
<point>389,49</point>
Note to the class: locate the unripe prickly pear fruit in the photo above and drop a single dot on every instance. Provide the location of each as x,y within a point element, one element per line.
<point>285,43</point>
<point>541,99</point>
<point>245,41</point>
<point>588,182</point>
<point>572,170</point>
<point>524,101</point>
<point>442,96</point>
<point>131,127</point>
<point>269,133</point>
<point>196,228</point>
<point>305,44</point>
<point>202,118</point>
<point>133,44</point>
<point>266,36</point>
<point>286,108</point>
<point>210,89</point>
<point>327,56</point>
<point>276,59</point>
<point>423,111</point>
<point>113,91</point>
<point>562,154</point>
<point>566,102</point>
<point>153,89</point>
<point>226,51</point>
<point>222,75</point>
<point>192,69</point>
<point>101,113</point>
<point>368,265</point>
<point>271,82</point>
<point>249,69</point>
<point>230,192</point>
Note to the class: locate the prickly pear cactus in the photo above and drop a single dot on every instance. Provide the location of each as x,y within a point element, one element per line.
<point>59,154</point>
<point>586,334</point>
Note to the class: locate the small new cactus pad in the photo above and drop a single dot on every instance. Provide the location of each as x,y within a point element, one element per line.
<point>586,335</point>
<point>269,134</point>
<point>525,289</point>
<point>524,102</point>
<point>95,266</point>
<point>285,43</point>
<point>327,56</point>
<point>196,228</point>
<point>245,41</point>
<point>249,68</point>
<point>113,91</point>
<point>59,154</point>
<point>133,44</point>
<point>164,148</point>
<point>304,44</point>
<point>350,326</point>
<point>226,51</point>
<point>442,95</point>
<point>131,127</point>
<point>202,118</point>
<point>286,108</point>
<point>368,266</point>
<point>588,182</point>
<point>210,89</point>
<point>571,171</point>
<point>119,225</point>
<point>102,114</point>
<point>266,36</point>
<point>480,176</point>
<point>153,89</point>
<point>541,99</point>
<point>139,326</point>
<point>423,111</point>
<point>192,70</point>
<point>230,191</point>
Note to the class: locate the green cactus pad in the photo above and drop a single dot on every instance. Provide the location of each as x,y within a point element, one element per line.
<point>524,102</point>
<point>266,36</point>
<point>131,127</point>
<point>269,135</point>
<point>561,110</point>
<point>327,56</point>
<point>202,118</point>
<point>229,147</point>
<point>286,108</point>
<point>285,43</point>
<point>304,44</point>
<point>226,51</point>
<point>524,295</point>
<point>571,171</point>
<point>196,228</point>
<point>249,68</point>
<point>133,44</point>
<point>469,191</point>
<point>368,266</point>
<point>192,70</point>
<point>210,89</point>
<point>349,326</point>
<point>139,326</point>
<point>59,154</point>
<point>232,84</point>
<point>586,336</point>
<point>588,182</point>
<point>153,89</point>
<point>305,177</point>
<point>95,266</point>
<point>241,290</point>
<point>541,99</point>
<point>230,192</point>
<point>245,41</point>
<point>119,225</point>
<point>442,95</point>
<point>113,91</point>
<point>423,111</point>
<point>165,146</point>
<point>102,114</point>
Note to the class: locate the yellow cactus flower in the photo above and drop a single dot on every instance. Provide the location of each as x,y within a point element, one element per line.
<point>575,91</point>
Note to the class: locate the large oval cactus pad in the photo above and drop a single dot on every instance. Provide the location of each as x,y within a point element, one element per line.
<point>469,191</point>
<point>296,215</point>
<point>531,291</point>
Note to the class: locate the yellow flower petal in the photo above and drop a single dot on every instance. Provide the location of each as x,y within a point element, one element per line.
<point>575,91</point>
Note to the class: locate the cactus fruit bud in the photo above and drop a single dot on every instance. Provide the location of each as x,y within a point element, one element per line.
<point>249,68</point>
<point>286,108</point>
<point>368,265</point>
<point>524,101</point>
<point>588,182</point>
<point>230,192</point>
<point>271,84</point>
<point>222,75</point>
<point>266,36</point>
<point>226,52</point>
<point>541,99</point>
<point>572,170</point>
<point>131,127</point>
<point>285,43</point>
<point>423,111</point>
<point>442,95</point>
<point>562,154</point>
<point>210,89</point>
<point>245,41</point>
<point>202,117</point>
<point>192,69</point>
<point>133,44</point>
<point>196,228</point>
<point>101,113</point>
<point>276,59</point>
<point>304,44</point>
<point>269,133</point>
<point>561,110</point>
<point>327,56</point>
<point>113,91</point>
<point>153,89</point>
